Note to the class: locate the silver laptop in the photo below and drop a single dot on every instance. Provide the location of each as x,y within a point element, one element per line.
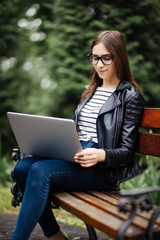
<point>48,137</point>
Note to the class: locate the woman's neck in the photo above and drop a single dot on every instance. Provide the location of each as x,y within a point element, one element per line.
<point>110,84</point>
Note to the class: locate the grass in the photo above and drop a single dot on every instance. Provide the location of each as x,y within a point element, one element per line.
<point>5,201</point>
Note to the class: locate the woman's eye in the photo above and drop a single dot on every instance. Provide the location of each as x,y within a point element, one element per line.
<point>95,58</point>
<point>106,58</point>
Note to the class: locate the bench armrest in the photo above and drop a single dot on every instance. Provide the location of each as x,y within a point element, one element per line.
<point>138,197</point>
<point>17,155</point>
<point>139,192</point>
<point>132,200</point>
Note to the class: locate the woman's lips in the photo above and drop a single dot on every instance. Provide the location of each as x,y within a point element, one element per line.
<point>102,71</point>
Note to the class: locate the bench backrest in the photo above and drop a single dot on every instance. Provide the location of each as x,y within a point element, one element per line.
<point>149,142</point>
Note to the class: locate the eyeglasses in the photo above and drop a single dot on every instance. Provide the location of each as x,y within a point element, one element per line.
<point>105,59</point>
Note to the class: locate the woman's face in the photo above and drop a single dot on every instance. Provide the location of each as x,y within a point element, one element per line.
<point>106,72</point>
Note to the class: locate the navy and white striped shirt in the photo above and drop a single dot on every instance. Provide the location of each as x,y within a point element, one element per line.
<point>87,120</point>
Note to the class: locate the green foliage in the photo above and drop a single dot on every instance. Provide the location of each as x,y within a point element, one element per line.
<point>69,46</point>
<point>150,177</point>
<point>5,172</point>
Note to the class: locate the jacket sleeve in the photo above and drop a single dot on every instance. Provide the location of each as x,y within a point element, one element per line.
<point>124,153</point>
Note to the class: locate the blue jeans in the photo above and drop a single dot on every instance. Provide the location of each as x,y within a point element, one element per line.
<point>37,177</point>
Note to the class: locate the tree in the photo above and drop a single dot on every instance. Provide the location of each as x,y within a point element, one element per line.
<point>69,38</point>
<point>140,22</point>
<point>22,74</point>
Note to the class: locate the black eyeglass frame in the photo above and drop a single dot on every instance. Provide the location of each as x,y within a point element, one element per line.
<point>100,58</point>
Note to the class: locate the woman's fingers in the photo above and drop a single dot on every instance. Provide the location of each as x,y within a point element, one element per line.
<point>86,158</point>
<point>90,156</point>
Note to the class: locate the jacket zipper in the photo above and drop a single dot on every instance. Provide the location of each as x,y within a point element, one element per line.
<point>115,135</point>
<point>114,142</point>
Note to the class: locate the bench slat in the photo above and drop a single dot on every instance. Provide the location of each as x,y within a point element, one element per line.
<point>107,207</point>
<point>108,197</point>
<point>101,220</point>
<point>114,200</point>
<point>151,118</point>
<point>149,143</point>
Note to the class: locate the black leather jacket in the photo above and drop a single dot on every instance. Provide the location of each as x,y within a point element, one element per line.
<point>117,128</point>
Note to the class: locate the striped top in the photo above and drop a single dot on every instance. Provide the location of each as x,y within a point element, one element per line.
<point>87,120</point>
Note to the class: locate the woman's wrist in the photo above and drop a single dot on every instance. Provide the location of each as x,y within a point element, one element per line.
<point>102,155</point>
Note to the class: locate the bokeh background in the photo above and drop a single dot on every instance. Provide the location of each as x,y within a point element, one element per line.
<point>43,48</point>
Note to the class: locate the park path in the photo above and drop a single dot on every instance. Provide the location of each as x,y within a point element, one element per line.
<point>7,223</point>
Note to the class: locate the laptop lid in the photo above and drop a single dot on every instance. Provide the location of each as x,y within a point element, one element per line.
<point>48,137</point>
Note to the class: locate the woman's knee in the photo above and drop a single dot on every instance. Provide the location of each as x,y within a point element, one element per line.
<point>19,169</point>
<point>38,178</point>
<point>37,170</point>
<point>22,168</point>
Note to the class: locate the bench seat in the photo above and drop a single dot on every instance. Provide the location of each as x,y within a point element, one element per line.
<point>100,210</point>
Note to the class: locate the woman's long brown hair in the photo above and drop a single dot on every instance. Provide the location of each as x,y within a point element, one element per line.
<point>115,44</point>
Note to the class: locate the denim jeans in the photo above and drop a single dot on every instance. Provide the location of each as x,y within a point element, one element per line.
<point>37,177</point>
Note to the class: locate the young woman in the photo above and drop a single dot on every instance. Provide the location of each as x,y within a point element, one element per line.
<point>107,121</point>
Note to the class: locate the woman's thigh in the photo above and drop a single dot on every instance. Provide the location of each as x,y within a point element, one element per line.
<point>65,175</point>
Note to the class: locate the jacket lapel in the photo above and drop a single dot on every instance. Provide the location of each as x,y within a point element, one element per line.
<point>110,104</point>
<point>114,101</point>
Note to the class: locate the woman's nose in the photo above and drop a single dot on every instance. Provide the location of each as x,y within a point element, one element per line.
<point>100,63</point>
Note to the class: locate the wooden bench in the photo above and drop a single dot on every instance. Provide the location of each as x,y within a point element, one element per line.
<point>101,210</point>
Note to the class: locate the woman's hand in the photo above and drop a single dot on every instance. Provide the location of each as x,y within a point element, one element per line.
<point>90,156</point>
